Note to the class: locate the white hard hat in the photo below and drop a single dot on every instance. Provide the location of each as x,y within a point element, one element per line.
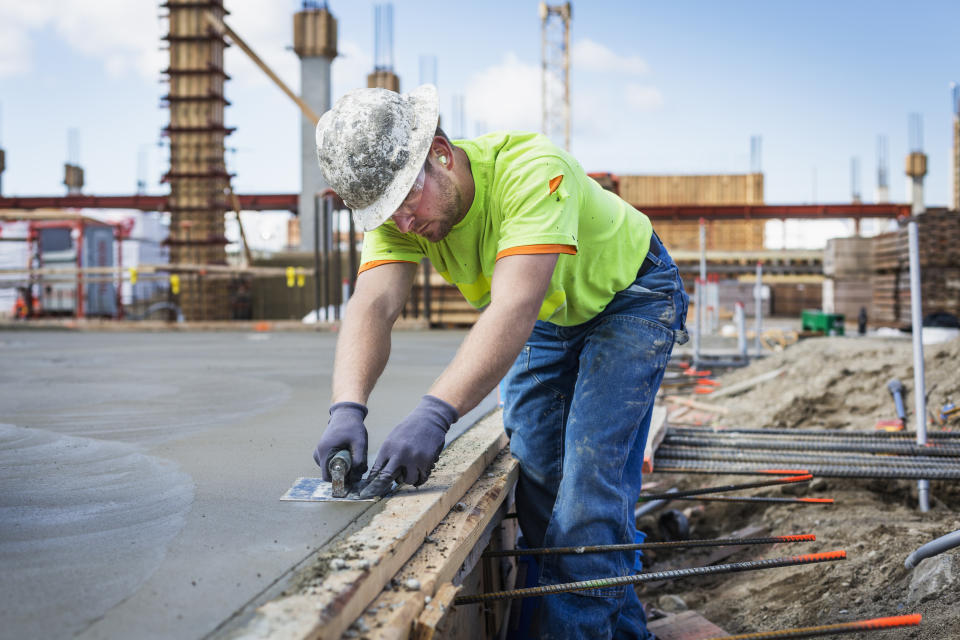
<point>372,144</point>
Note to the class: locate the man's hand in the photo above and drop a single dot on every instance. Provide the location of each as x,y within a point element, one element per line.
<point>344,430</point>
<point>412,448</point>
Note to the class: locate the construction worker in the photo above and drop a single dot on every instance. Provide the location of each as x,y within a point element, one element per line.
<point>581,308</point>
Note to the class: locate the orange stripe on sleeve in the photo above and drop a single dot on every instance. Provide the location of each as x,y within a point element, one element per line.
<point>555,182</point>
<point>376,263</point>
<point>536,249</point>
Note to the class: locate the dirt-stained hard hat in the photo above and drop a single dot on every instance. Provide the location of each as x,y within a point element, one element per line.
<point>372,144</point>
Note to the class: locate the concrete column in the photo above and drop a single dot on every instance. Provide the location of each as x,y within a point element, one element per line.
<point>315,91</point>
<point>315,43</point>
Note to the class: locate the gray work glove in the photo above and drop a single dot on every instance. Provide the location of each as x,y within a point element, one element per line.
<point>344,430</point>
<point>412,448</point>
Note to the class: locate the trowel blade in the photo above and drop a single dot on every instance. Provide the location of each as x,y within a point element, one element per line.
<point>316,490</point>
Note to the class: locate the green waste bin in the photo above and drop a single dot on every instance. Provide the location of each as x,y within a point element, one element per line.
<point>830,324</point>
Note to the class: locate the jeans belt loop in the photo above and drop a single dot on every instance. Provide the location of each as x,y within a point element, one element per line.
<point>656,249</point>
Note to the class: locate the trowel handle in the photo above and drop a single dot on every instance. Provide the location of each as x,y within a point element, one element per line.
<point>340,463</point>
<point>339,468</point>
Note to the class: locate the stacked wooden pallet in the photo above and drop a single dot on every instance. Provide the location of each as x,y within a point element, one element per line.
<point>721,235</point>
<point>939,249</point>
<point>692,189</point>
<point>725,189</point>
<point>790,299</point>
<point>848,265</point>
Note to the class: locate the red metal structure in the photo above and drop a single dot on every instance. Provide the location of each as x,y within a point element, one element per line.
<point>288,202</point>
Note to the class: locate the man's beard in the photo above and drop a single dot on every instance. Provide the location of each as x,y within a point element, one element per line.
<point>452,205</point>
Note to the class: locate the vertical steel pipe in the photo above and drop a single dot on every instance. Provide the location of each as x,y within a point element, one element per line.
<point>741,317</point>
<point>758,309</point>
<point>702,303</point>
<point>916,319</point>
<point>698,303</point>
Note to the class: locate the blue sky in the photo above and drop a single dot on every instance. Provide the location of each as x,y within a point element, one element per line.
<point>665,87</point>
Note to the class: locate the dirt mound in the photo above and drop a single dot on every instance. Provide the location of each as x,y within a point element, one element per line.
<point>828,383</point>
<point>840,383</point>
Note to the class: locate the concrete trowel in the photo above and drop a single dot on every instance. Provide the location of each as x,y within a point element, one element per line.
<point>337,490</point>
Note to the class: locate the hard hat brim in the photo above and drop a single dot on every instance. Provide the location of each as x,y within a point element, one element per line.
<point>426,108</point>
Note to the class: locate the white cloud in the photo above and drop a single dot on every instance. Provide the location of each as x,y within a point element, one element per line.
<point>124,34</point>
<point>267,29</point>
<point>593,56</point>
<point>350,68</point>
<point>505,96</point>
<point>643,97</point>
<point>15,56</point>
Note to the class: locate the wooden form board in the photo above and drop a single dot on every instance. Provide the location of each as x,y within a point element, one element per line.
<point>350,572</point>
<point>658,429</point>
<point>439,565</point>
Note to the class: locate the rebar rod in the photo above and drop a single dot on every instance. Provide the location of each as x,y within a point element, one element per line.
<point>801,459</point>
<point>810,444</point>
<point>823,471</point>
<point>759,499</point>
<point>739,471</point>
<point>727,487</point>
<point>874,624</point>
<point>905,435</point>
<point>673,574</point>
<point>634,546</point>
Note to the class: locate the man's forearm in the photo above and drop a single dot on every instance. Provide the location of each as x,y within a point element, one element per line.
<point>363,348</point>
<point>485,356</point>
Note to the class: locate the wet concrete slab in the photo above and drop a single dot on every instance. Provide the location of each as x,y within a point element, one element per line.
<point>140,474</point>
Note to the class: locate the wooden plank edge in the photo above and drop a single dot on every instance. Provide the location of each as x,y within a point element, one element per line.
<point>352,570</point>
<point>695,404</point>
<point>746,385</point>
<point>435,612</point>
<point>658,430</point>
<point>439,560</point>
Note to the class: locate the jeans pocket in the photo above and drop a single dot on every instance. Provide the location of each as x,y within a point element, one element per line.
<point>638,290</point>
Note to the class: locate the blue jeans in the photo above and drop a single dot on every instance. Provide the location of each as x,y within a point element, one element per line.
<point>577,407</point>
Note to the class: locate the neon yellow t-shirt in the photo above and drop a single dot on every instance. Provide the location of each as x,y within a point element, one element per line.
<point>530,197</point>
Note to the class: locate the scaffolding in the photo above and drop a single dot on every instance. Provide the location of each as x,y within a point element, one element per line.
<point>198,177</point>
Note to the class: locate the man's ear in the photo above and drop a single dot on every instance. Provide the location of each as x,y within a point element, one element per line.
<point>442,152</point>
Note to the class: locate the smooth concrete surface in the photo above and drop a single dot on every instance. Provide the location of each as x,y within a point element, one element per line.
<point>140,474</point>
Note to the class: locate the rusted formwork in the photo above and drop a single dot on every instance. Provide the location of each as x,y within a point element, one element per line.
<point>198,177</point>
<point>383,79</point>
